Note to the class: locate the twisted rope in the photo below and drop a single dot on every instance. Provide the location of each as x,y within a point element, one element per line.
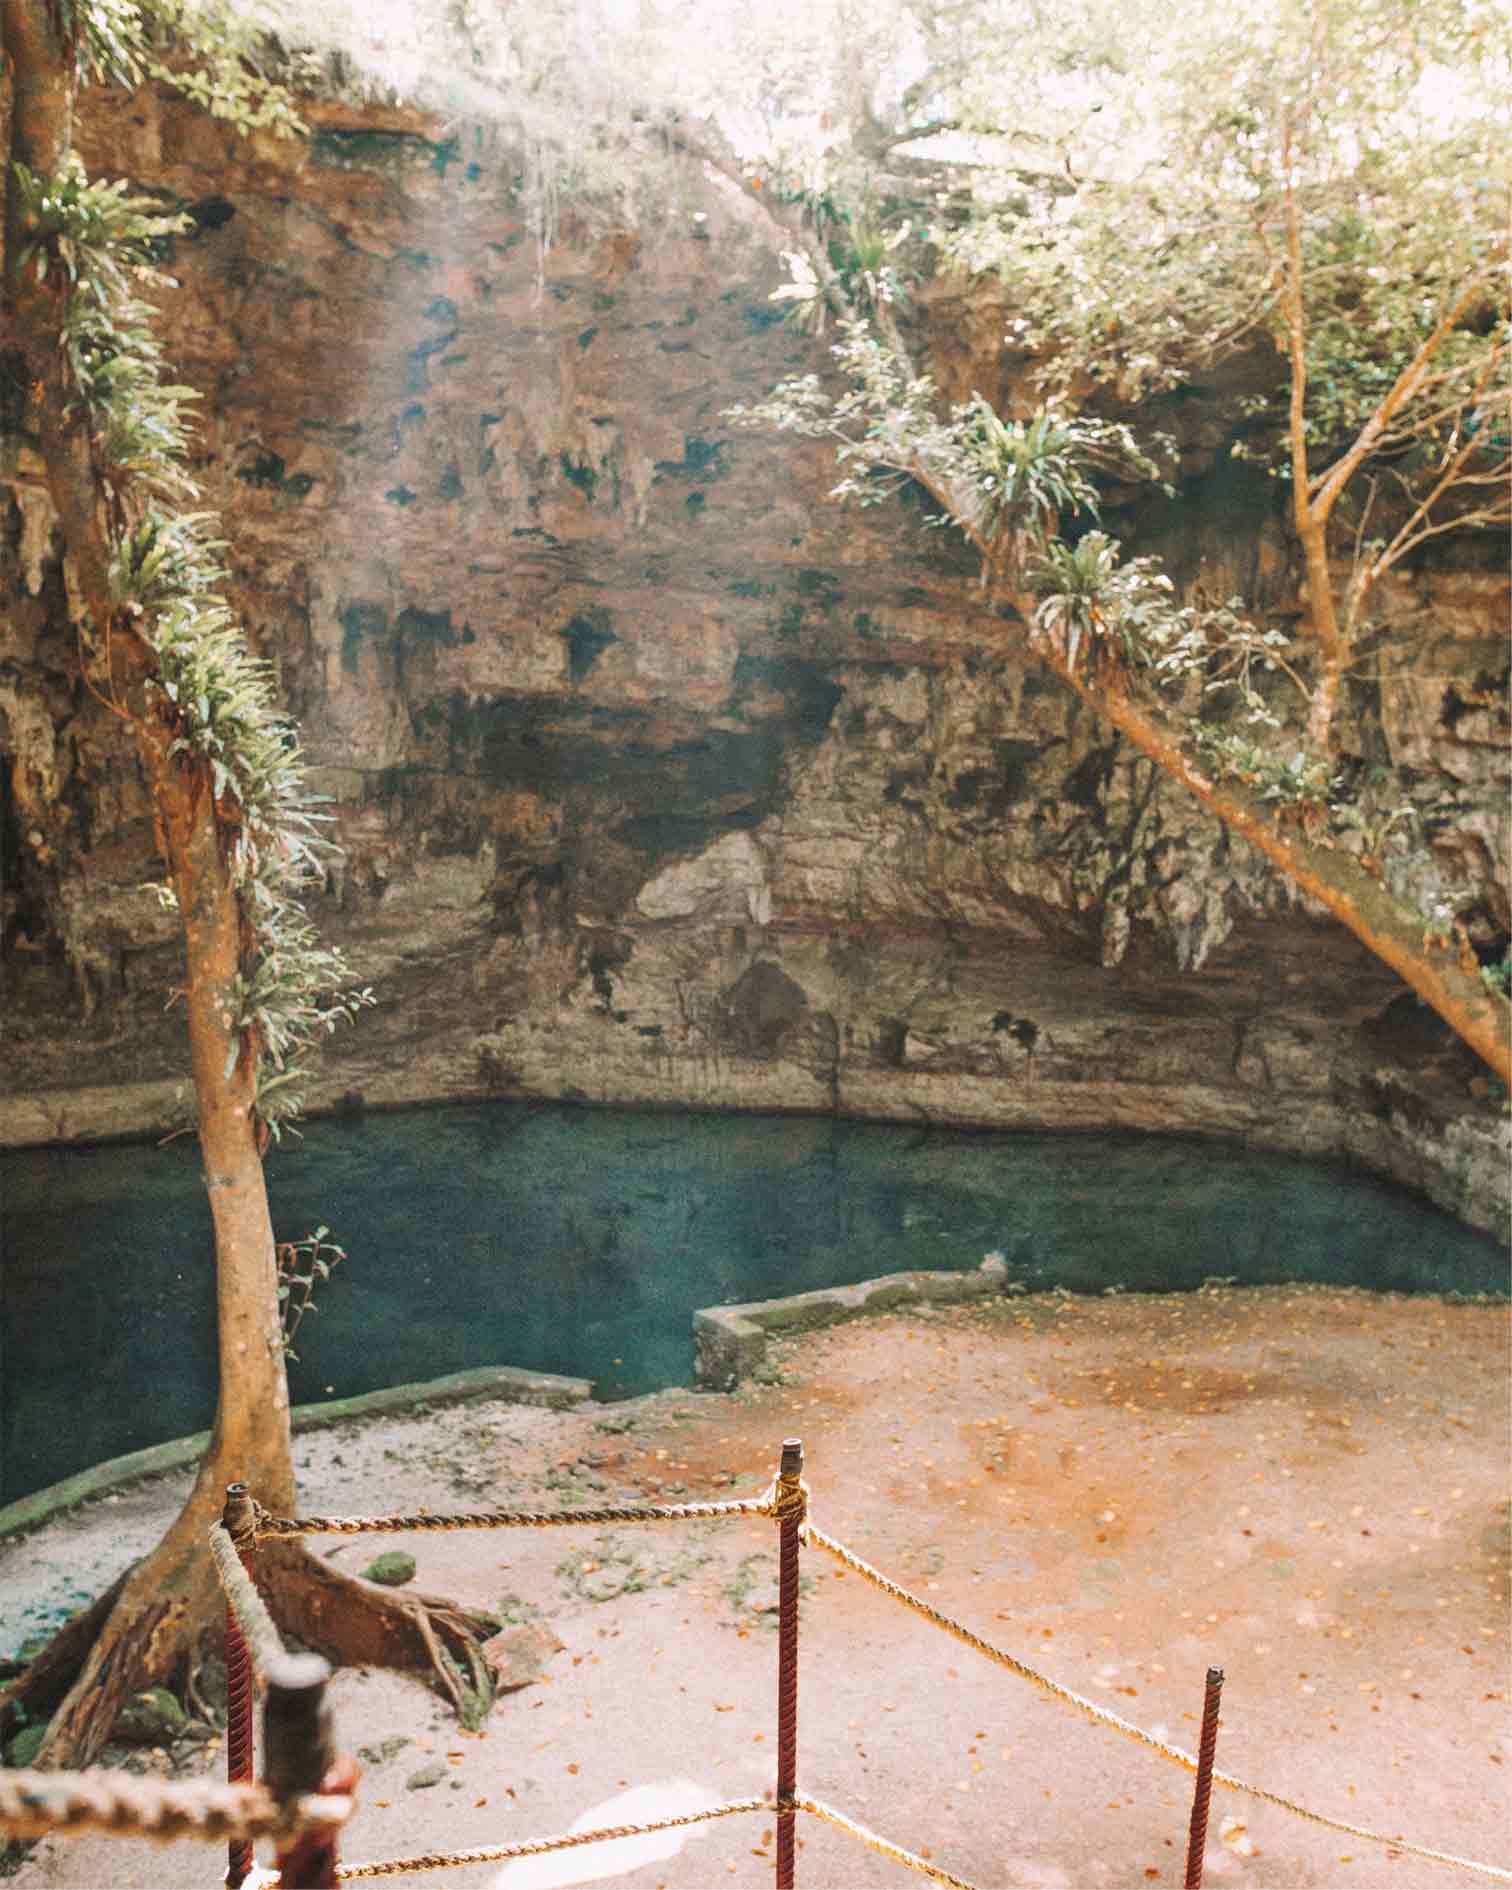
<point>786,1498</point>
<point>536,1847</point>
<point>828,1815</point>
<point>262,1637</point>
<point>1175,1754</point>
<point>35,1804</point>
<point>279,1526</point>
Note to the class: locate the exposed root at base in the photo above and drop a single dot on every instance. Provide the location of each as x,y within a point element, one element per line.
<point>160,1621</point>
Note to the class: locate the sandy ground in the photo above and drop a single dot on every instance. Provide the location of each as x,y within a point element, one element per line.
<point>1305,1487</point>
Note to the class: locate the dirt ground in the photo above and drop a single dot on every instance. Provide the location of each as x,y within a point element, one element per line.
<point>1307,1488</point>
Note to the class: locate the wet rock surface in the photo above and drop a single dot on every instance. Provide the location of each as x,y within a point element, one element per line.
<point>660,778</point>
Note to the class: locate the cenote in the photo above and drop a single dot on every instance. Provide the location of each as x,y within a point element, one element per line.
<point>580,1241</point>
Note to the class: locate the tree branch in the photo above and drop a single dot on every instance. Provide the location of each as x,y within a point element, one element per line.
<point>1391,931</point>
<point>1326,489</point>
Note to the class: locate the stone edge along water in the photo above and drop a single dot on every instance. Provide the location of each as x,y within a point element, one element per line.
<point>729,1343</point>
<point>506,1382</point>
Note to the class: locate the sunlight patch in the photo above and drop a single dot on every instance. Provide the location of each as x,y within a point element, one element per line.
<point>643,1804</point>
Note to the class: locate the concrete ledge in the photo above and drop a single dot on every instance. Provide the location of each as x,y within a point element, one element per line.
<point>730,1341</point>
<point>505,1382</point>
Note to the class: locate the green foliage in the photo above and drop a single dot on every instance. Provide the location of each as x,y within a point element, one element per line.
<point>1297,779</point>
<point>1222,647</point>
<point>166,570</point>
<point>1321,182</point>
<point>1376,827</point>
<point>865,256</point>
<point>1000,476</point>
<point>210,50</point>
<point>858,253</point>
<point>1497,976</point>
<point>1387,120</point>
<point>78,220</point>
<point>103,241</point>
<point>1096,608</point>
<point>881,421</point>
<point>302,1265</point>
<point>1367,316</point>
<point>110,38</point>
<point>1030,473</point>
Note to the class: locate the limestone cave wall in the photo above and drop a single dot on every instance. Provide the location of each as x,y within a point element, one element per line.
<point>660,778</point>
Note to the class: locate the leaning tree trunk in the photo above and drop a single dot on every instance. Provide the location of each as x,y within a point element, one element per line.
<point>1434,968</point>
<point>150,1625</point>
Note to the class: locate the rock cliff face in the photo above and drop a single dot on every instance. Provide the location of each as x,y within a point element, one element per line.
<point>660,778</point>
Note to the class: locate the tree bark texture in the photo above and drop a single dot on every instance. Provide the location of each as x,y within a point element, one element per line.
<point>142,1632</point>
<point>1429,965</point>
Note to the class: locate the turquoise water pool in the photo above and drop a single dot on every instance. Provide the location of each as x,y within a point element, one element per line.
<point>580,1241</point>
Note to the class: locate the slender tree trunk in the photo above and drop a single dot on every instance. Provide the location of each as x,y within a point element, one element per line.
<point>171,1597</point>
<point>1308,516</point>
<point>161,1605</point>
<point>147,1626</point>
<point>1330,643</point>
<point>251,1434</point>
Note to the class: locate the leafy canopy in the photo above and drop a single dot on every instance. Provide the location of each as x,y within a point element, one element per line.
<point>218,53</point>
<point>1162,250</point>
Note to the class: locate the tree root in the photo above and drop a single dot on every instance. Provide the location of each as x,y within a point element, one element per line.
<point>162,1618</point>
<point>142,1632</point>
<point>357,1623</point>
<point>34,1692</point>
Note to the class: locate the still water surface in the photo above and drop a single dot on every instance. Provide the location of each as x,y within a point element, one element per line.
<point>580,1241</point>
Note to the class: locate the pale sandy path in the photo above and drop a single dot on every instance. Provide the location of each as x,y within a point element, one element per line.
<point>1308,1488</point>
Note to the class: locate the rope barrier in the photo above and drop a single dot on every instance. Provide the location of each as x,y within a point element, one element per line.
<point>828,1815</point>
<point>279,1526</point>
<point>33,1804</point>
<point>256,1623</point>
<point>1360,1831</point>
<point>535,1847</point>
<point>1175,1754</point>
<point>37,1804</point>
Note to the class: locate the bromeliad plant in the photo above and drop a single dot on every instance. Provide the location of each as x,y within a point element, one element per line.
<point>1007,484</point>
<point>166,581</point>
<point>1031,473</point>
<point>1097,609</point>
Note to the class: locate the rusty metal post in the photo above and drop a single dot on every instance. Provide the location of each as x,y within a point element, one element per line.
<point>239,1688</point>
<point>1203,1790</point>
<point>791,1506</point>
<point>298,1761</point>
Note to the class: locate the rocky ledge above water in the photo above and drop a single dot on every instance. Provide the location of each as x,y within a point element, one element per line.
<point>661,779</point>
